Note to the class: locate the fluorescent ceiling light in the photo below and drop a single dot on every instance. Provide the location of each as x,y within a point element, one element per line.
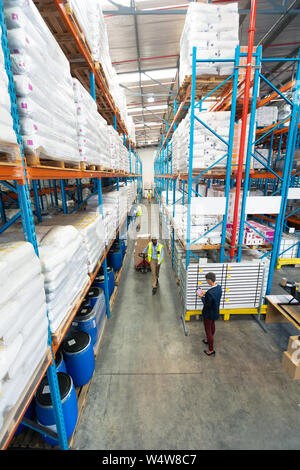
<point>150,108</point>
<point>148,124</point>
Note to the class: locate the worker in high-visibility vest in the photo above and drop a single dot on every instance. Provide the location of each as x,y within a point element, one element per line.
<point>149,196</point>
<point>155,256</point>
<point>138,217</point>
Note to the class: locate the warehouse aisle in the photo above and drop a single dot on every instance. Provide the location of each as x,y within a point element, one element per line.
<point>154,388</point>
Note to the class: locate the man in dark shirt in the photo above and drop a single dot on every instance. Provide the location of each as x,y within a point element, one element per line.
<point>210,312</point>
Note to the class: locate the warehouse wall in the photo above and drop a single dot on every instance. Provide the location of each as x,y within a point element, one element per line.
<point>147,157</point>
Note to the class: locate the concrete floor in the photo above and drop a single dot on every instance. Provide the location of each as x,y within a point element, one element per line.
<point>154,388</point>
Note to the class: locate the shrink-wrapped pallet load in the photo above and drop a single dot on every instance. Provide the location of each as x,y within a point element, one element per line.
<point>93,139</point>
<point>64,265</point>
<point>7,133</point>
<point>214,30</point>
<point>43,85</point>
<point>90,228</point>
<point>23,321</point>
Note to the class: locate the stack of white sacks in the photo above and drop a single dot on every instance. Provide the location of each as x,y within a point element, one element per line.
<point>214,30</point>
<point>93,138</point>
<point>89,226</point>
<point>114,148</point>
<point>7,133</point>
<point>117,201</point>
<point>266,116</point>
<point>208,148</point>
<point>64,263</point>
<point>23,321</point>
<point>91,20</point>
<point>43,84</point>
<point>109,219</point>
<point>199,224</point>
<point>131,193</point>
<point>119,154</point>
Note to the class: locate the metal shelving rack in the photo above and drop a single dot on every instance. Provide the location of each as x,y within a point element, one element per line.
<point>45,180</point>
<point>283,180</point>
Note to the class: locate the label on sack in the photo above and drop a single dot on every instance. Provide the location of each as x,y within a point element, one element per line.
<point>46,389</point>
<point>71,342</point>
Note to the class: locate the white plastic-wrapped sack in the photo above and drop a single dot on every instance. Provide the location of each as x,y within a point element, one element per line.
<point>43,84</point>
<point>7,133</point>
<point>23,320</point>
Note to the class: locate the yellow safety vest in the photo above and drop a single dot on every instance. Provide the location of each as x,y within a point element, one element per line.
<point>159,250</point>
<point>139,211</point>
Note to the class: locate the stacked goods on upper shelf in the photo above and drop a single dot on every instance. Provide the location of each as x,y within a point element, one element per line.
<point>243,284</point>
<point>117,200</point>
<point>114,146</point>
<point>93,139</point>
<point>214,30</point>
<point>266,115</point>
<point>90,18</point>
<point>108,230</point>
<point>131,193</point>
<point>23,321</point>
<point>7,133</point>
<point>64,262</point>
<point>119,154</point>
<point>207,148</point>
<point>43,85</point>
<point>200,222</point>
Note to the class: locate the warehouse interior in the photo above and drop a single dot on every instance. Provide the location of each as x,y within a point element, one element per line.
<point>149,155</point>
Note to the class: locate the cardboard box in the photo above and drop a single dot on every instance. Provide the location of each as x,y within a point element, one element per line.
<point>291,367</point>
<point>294,345</point>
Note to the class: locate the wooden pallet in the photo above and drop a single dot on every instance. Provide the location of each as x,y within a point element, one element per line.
<point>204,85</point>
<point>10,154</point>
<point>36,161</point>
<point>218,173</point>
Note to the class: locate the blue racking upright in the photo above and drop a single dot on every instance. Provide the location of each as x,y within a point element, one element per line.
<point>45,180</point>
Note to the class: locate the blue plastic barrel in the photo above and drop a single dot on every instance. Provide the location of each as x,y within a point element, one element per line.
<point>116,246</point>
<point>44,409</point>
<point>79,357</point>
<point>115,259</point>
<point>93,295</point>
<point>99,280</point>
<point>85,320</point>
<point>28,414</point>
<point>59,362</point>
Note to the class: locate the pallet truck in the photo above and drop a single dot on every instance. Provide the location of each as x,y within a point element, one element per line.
<point>144,265</point>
